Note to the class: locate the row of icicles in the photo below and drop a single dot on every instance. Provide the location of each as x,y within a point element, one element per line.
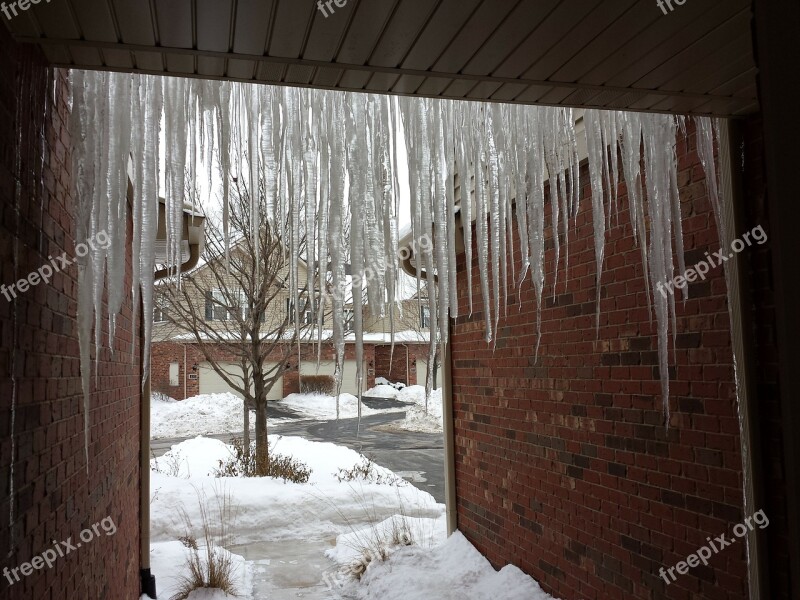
<point>331,158</point>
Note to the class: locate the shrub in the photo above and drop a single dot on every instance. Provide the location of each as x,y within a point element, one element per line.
<point>209,565</point>
<point>169,464</point>
<point>365,470</point>
<point>243,464</point>
<point>317,384</point>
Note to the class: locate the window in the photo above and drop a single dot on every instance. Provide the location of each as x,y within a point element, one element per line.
<point>425,317</point>
<point>217,308</point>
<point>306,315</point>
<point>159,314</point>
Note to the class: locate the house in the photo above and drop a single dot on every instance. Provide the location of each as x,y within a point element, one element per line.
<point>584,487</point>
<point>181,366</point>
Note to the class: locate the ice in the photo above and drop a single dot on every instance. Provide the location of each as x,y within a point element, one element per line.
<point>328,162</point>
<point>594,145</point>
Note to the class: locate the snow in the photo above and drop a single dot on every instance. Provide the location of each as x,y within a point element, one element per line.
<point>454,570</point>
<point>322,407</point>
<point>382,391</point>
<point>383,381</point>
<point>423,532</point>
<point>418,418</point>
<point>270,509</point>
<point>206,413</point>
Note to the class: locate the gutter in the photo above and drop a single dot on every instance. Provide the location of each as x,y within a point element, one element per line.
<point>193,234</point>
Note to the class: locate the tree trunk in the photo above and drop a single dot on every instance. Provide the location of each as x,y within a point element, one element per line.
<point>435,369</point>
<point>261,437</point>
<point>261,422</point>
<point>246,434</point>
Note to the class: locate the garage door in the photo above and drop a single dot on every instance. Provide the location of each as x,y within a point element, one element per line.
<point>422,371</point>
<point>349,384</point>
<point>212,383</point>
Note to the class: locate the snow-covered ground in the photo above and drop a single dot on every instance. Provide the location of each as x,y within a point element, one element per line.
<point>453,570</point>
<point>323,408</point>
<point>334,523</point>
<point>268,509</point>
<point>224,413</point>
<point>420,417</point>
<point>198,415</point>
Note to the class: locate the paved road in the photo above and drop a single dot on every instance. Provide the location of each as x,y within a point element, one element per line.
<point>416,457</point>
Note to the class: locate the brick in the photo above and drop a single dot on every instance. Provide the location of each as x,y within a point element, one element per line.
<point>54,498</point>
<point>614,491</point>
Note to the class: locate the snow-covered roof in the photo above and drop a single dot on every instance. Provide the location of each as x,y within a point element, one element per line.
<point>407,336</point>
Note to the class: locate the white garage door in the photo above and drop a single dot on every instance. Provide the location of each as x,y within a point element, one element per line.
<point>422,371</point>
<point>349,383</point>
<point>212,383</point>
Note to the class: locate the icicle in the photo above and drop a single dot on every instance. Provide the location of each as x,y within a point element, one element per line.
<point>631,163</point>
<point>308,145</point>
<point>494,214</point>
<point>594,140</point>
<point>536,166</point>
<point>519,143</point>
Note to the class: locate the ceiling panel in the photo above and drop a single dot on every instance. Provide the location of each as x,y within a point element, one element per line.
<point>253,24</point>
<point>612,53</point>
<point>214,24</point>
<point>520,24</point>
<point>648,38</point>
<point>292,23</point>
<point>480,27</point>
<point>585,28</point>
<point>369,19</point>
<point>443,25</point>
<point>134,21</point>
<point>174,19</point>
<point>95,20</point>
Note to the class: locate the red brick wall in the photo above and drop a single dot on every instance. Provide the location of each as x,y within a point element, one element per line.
<point>563,465</point>
<point>403,365</point>
<point>54,497</point>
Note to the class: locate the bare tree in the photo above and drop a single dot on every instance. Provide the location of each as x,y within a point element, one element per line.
<point>237,308</point>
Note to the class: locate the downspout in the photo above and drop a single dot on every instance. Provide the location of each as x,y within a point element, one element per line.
<point>185,372</point>
<point>194,235</point>
<point>451,516</point>
<point>449,439</point>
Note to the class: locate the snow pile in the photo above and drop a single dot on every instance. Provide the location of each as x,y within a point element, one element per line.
<point>399,385</point>
<point>387,535</point>
<point>417,417</point>
<point>198,415</point>
<point>322,407</point>
<point>455,570</point>
<point>270,509</point>
<point>198,456</point>
<point>168,562</point>
<point>382,390</point>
